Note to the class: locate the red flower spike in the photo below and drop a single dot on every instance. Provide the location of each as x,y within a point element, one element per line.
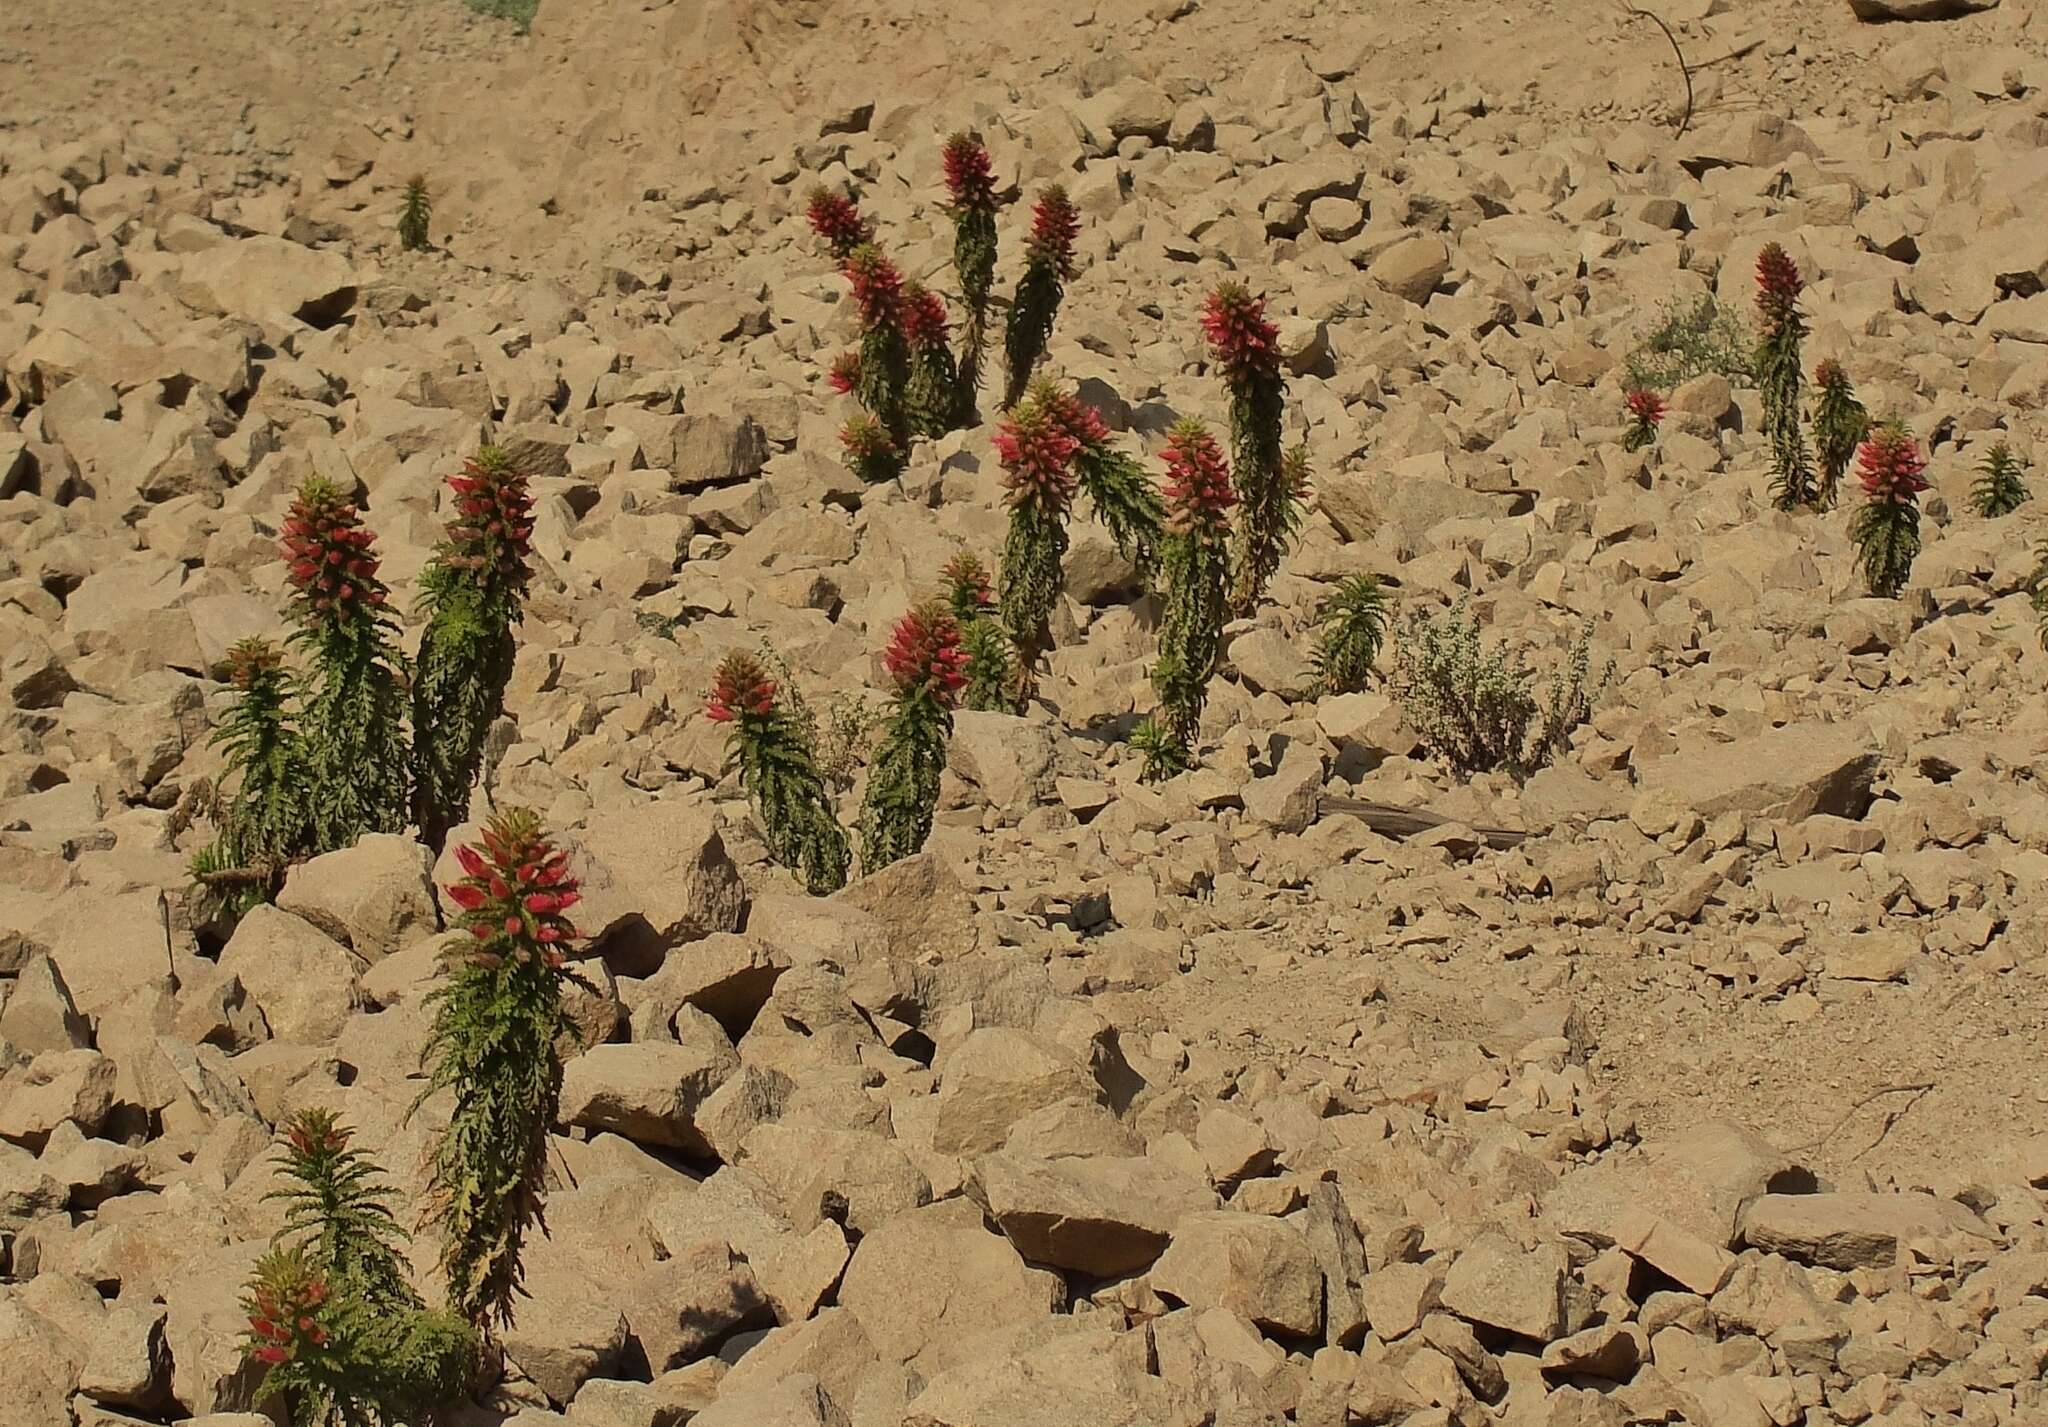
<point>1071,414</point>
<point>740,688</point>
<point>1241,340</point>
<point>924,317</point>
<point>1646,406</point>
<point>1777,280</point>
<point>1197,490</point>
<point>1037,455</point>
<point>512,914</point>
<point>1828,373</point>
<point>836,218</point>
<point>492,531</point>
<point>877,286</point>
<point>1890,466</point>
<point>323,532</point>
<point>924,654</point>
<point>970,180</point>
<point>844,374</point>
<point>968,579</point>
<point>1054,227</point>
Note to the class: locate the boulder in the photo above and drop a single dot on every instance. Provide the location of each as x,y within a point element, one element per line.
<point>373,897</point>
<point>1502,1285</point>
<point>1248,1263</point>
<point>650,1093</point>
<point>1788,774</point>
<point>1100,1216</point>
<point>302,980</point>
<point>1845,1231</point>
<point>995,1078</point>
<point>270,280</point>
<point>654,876</point>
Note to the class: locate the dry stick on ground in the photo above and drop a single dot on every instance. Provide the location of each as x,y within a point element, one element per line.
<point>1389,820</point>
<point>1916,1089</point>
<point>1631,12</point>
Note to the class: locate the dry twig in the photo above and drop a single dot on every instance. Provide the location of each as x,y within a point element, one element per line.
<point>1631,12</point>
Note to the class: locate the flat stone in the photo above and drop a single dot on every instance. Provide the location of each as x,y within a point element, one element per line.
<point>1845,1231</point>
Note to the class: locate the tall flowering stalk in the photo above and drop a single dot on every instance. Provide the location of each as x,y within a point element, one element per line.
<point>1645,411</point>
<point>415,211</point>
<point>1246,350</point>
<point>332,1312</point>
<point>358,764</point>
<point>932,394</point>
<point>776,766</point>
<point>2000,488</point>
<point>971,194</point>
<point>928,666</point>
<point>1887,529</point>
<point>990,670</point>
<point>1779,374</point>
<point>837,219</point>
<point>1116,483</point>
<point>266,820</point>
<point>882,374</point>
<point>1037,457</point>
<point>1839,426</point>
<point>1195,565</point>
<point>1048,265</point>
<point>498,1020</point>
<point>474,592</point>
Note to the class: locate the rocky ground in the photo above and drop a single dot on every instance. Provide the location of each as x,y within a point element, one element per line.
<point>1716,1100</point>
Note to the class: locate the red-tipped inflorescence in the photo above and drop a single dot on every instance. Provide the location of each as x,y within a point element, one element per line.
<point>1037,453</point>
<point>1241,340</point>
<point>493,534</point>
<point>514,893</point>
<point>314,1132</point>
<point>1197,490</point>
<point>286,1311</point>
<point>924,654</point>
<point>877,286</point>
<point>968,584</point>
<point>924,317</point>
<point>1829,376</point>
<point>870,451</point>
<point>1054,227</point>
<point>1890,466</point>
<point>1778,282</point>
<point>330,563</point>
<point>970,181</point>
<point>250,660</point>
<point>740,687</point>
<point>1071,414</point>
<point>1646,406</point>
<point>836,218</point>
<point>844,375</point>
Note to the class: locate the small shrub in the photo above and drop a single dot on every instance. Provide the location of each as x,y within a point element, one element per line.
<point>1048,265</point>
<point>1645,412</point>
<point>991,671</point>
<point>1472,706</point>
<point>266,819</point>
<point>1887,529</point>
<point>1195,571</point>
<point>415,211</point>
<point>933,390</point>
<point>494,1046</point>
<point>519,12</point>
<point>1839,425</point>
<point>926,662</point>
<point>2000,489</point>
<point>2037,590</point>
<point>1037,458</point>
<point>1779,375</point>
<point>1354,625</point>
<point>1691,341</point>
<point>771,750</point>
<point>883,371</point>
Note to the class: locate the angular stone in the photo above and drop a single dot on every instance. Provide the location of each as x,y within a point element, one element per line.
<point>1845,1231</point>
<point>302,980</point>
<point>1787,774</point>
<point>1502,1285</point>
<point>1412,268</point>
<point>272,280</point>
<point>55,1088</point>
<point>373,897</point>
<point>684,1304</point>
<point>798,1400</point>
<point>38,1014</point>
<point>995,1078</point>
<point>920,907</point>
<point>649,1093</point>
<point>854,1176</point>
<point>662,878</point>
<point>1103,1217</point>
<point>1247,1263</point>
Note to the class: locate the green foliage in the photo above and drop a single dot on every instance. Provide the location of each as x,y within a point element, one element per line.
<point>903,782</point>
<point>974,260</point>
<point>493,1048</point>
<point>991,668</point>
<point>2037,590</point>
<point>2000,489</point>
<point>1839,424</point>
<point>519,12</point>
<point>1472,706</point>
<point>1690,341</point>
<point>1887,537</point>
<point>1354,625</point>
<point>771,750</point>
<point>1034,558</point>
<point>266,819</point>
<point>932,393</point>
<point>1163,754</point>
<point>415,212</point>
<point>1048,263</point>
<point>1125,500</point>
<point>1269,505</point>
<point>1779,377</point>
<point>1194,590</point>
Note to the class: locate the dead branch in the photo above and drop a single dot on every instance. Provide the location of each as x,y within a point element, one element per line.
<point>1631,12</point>
<point>1389,820</point>
<point>1916,1089</point>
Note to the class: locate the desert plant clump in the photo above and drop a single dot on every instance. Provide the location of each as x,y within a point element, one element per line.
<point>837,219</point>
<point>1691,341</point>
<point>971,191</point>
<point>1887,527</point>
<point>474,591</point>
<point>415,211</point>
<point>1839,426</point>
<point>1353,626</point>
<point>772,752</point>
<point>494,1048</point>
<point>2000,488</point>
<point>882,379</point>
<point>991,672</point>
<point>1645,412</point>
<point>869,453</point>
<point>1195,579</point>
<point>1779,375</point>
<point>926,663</point>
<point>266,819</point>
<point>354,720</point>
<point>932,393</point>
<point>1246,350</point>
<point>1048,266</point>
<point>1114,481</point>
<point>1037,459</point>
<point>332,1311</point>
<point>1472,706</point>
